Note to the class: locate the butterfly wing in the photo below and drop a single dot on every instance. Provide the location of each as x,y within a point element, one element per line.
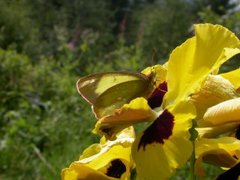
<point>108,91</point>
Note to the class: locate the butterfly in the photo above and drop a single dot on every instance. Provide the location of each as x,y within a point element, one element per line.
<point>109,91</point>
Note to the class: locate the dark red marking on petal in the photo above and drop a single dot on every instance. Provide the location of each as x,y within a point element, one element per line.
<point>237,135</point>
<point>234,156</point>
<point>116,169</point>
<point>233,173</point>
<point>155,100</point>
<point>158,131</point>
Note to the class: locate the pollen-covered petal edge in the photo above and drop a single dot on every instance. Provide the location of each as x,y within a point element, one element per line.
<point>136,111</point>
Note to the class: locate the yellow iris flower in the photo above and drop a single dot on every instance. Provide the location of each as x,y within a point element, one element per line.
<point>214,145</point>
<point>223,117</point>
<point>164,145</point>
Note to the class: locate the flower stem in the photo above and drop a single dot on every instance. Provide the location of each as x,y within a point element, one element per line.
<point>194,135</point>
<point>192,163</point>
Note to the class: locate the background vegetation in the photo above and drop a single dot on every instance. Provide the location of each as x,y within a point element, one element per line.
<point>46,45</point>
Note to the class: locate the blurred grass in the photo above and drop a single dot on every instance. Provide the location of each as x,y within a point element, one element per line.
<point>44,122</point>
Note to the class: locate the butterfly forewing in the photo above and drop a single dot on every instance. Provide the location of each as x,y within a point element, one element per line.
<point>119,95</point>
<point>108,91</point>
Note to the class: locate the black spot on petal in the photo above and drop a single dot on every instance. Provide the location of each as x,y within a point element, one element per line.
<point>155,100</point>
<point>238,133</point>
<point>116,169</point>
<point>158,131</point>
<point>106,130</point>
<point>234,156</point>
<point>233,173</point>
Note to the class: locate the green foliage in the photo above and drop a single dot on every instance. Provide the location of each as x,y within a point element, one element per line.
<point>41,118</point>
<point>39,28</point>
<point>163,26</point>
<point>42,115</point>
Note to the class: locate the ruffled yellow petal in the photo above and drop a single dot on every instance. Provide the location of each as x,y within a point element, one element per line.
<point>157,154</point>
<point>222,113</point>
<point>78,171</point>
<point>221,152</point>
<point>136,111</point>
<point>215,131</point>
<point>191,62</point>
<point>233,77</point>
<point>218,157</point>
<point>215,89</point>
<point>103,160</point>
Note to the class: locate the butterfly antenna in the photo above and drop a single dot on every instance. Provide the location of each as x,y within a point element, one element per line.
<point>154,56</point>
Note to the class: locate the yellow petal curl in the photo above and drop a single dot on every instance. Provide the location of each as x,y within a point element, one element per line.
<point>233,77</point>
<point>78,171</point>
<point>216,131</point>
<point>222,113</point>
<point>214,89</point>
<point>190,63</point>
<point>136,111</point>
<point>223,152</point>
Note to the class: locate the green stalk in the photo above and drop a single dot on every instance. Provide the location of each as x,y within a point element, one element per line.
<point>192,163</point>
<point>194,135</point>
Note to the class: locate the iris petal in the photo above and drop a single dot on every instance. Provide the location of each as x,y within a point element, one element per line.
<point>215,131</point>
<point>233,77</point>
<point>190,63</point>
<point>136,111</point>
<point>157,158</point>
<point>223,152</point>
<point>215,89</point>
<point>78,171</point>
<point>222,113</point>
<point>159,131</point>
